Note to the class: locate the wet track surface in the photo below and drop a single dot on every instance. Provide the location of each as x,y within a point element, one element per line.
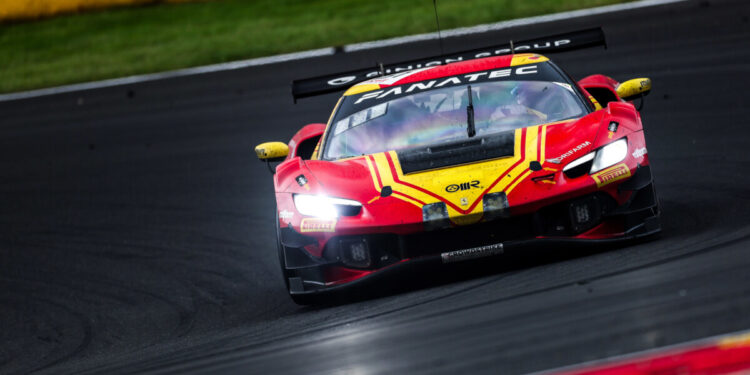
<point>136,227</point>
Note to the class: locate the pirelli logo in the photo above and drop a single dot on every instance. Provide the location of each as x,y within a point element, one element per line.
<point>611,174</point>
<point>317,225</point>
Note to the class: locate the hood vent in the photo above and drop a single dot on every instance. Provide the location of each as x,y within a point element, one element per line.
<point>455,153</point>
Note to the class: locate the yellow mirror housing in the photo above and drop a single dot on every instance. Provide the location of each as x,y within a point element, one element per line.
<point>634,88</point>
<point>271,150</point>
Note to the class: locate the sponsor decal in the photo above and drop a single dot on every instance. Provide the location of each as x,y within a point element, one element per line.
<point>639,152</point>
<point>391,79</point>
<point>285,215</point>
<point>472,253</point>
<point>568,154</point>
<point>317,225</point>
<point>341,80</point>
<point>464,201</point>
<point>448,81</point>
<point>333,82</point>
<point>452,188</point>
<point>611,174</point>
<point>528,47</point>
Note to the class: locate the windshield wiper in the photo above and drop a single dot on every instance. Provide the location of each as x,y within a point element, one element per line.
<point>470,115</point>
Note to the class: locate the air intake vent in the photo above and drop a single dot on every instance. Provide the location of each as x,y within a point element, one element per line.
<point>454,153</point>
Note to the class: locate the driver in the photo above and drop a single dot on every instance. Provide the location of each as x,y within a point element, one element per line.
<point>523,99</point>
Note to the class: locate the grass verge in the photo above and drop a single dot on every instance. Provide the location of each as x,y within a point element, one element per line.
<point>146,39</point>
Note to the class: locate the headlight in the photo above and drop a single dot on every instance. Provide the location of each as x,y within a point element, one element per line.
<point>580,166</point>
<point>609,155</point>
<point>595,161</point>
<point>324,207</point>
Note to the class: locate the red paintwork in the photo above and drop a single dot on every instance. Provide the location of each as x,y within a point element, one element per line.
<point>352,178</point>
<point>452,69</point>
<point>599,81</point>
<point>308,131</point>
<point>439,71</point>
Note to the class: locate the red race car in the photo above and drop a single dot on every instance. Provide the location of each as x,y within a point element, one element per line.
<point>457,161</point>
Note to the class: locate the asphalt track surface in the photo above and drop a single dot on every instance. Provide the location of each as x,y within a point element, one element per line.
<point>136,227</point>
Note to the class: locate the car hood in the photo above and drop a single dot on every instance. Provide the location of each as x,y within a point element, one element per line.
<point>463,176</point>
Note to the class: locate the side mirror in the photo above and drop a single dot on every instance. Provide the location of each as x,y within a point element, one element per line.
<point>272,151</point>
<point>634,88</point>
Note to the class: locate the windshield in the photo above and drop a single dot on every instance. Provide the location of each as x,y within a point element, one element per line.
<point>440,115</point>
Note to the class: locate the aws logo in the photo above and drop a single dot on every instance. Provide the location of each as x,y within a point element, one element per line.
<point>452,188</point>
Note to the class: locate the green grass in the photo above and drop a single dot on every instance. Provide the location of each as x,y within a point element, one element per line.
<point>146,39</point>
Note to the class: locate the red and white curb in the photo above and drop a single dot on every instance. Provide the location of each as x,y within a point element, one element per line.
<point>722,355</point>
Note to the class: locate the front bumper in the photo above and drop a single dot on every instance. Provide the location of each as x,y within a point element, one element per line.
<point>592,219</point>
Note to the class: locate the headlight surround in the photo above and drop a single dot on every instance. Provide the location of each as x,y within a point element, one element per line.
<point>580,166</point>
<point>602,158</point>
<point>322,206</point>
<point>610,155</point>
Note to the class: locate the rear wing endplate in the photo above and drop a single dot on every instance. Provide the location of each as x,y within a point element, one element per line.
<point>556,43</point>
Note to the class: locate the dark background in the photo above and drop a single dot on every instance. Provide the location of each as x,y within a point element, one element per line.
<point>136,226</point>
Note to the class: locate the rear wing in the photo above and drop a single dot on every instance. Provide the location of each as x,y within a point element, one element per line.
<point>556,43</point>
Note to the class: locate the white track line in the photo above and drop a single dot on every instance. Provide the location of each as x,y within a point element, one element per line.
<point>508,24</point>
<point>170,74</point>
<point>330,50</point>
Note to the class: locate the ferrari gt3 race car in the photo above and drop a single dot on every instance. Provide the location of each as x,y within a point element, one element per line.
<point>456,161</point>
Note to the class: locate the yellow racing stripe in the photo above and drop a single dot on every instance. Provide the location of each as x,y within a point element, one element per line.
<point>476,179</point>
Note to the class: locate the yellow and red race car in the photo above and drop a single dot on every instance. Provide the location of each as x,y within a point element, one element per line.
<point>459,161</point>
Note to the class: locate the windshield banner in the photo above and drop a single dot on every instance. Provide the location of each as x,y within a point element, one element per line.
<point>556,43</point>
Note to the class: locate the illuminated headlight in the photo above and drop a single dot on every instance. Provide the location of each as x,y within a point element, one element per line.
<point>435,216</point>
<point>593,162</point>
<point>609,155</point>
<point>322,206</point>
